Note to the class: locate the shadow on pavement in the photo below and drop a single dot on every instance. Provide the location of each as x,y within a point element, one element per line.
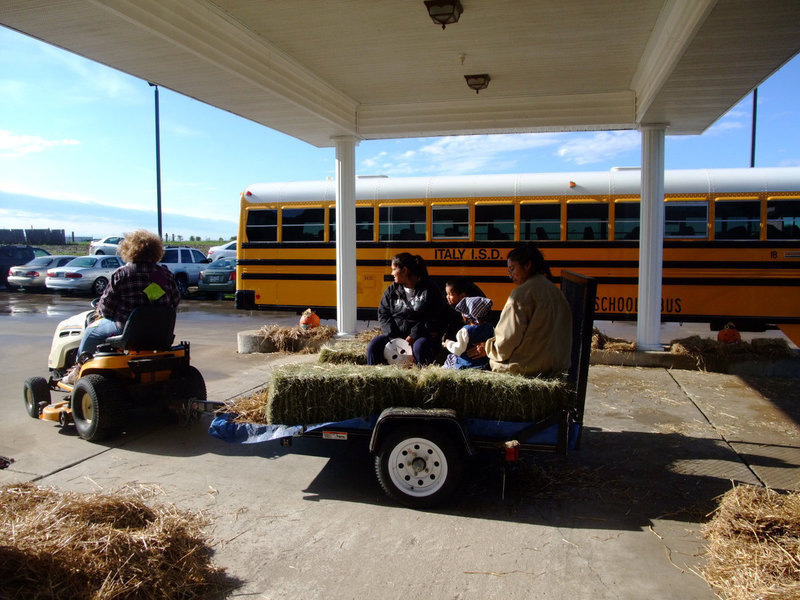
<point>783,393</point>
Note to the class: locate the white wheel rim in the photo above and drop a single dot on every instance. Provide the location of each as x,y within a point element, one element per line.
<point>417,467</point>
<point>87,408</point>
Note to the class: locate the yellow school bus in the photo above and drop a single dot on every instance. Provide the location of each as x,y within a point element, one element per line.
<point>731,243</point>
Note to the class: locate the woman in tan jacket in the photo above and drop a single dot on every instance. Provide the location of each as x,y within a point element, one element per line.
<point>534,333</point>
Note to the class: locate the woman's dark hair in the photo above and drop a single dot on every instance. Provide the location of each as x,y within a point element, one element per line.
<point>529,253</point>
<point>413,262</point>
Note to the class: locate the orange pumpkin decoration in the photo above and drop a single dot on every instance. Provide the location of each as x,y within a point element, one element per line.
<point>729,335</point>
<point>309,319</point>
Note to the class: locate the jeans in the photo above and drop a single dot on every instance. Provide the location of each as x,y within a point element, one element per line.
<point>424,349</point>
<point>96,333</point>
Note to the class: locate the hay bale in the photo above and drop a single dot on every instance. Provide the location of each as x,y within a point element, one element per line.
<point>296,339</point>
<point>353,351</point>
<point>67,545</point>
<point>495,396</point>
<point>304,394</point>
<point>307,394</point>
<point>713,355</point>
<point>601,341</point>
<point>754,545</point>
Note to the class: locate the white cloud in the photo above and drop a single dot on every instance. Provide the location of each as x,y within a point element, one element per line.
<point>15,145</point>
<point>458,155</point>
<point>94,76</point>
<point>601,146</point>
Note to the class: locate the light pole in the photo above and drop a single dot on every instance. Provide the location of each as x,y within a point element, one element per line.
<point>158,163</point>
<point>753,130</point>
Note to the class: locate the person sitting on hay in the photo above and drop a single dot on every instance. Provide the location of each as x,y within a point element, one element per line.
<point>413,308</point>
<point>475,310</point>
<point>534,333</point>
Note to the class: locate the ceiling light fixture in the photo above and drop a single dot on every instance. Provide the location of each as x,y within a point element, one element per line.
<point>444,12</point>
<point>478,82</point>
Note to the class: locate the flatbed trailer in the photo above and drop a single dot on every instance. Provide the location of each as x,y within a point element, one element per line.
<point>420,453</point>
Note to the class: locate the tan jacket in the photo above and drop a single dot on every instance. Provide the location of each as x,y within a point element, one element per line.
<point>534,333</point>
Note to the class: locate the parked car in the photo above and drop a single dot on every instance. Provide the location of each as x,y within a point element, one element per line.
<point>224,251</point>
<point>83,274</point>
<point>185,264</point>
<point>107,245</point>
<point>219,277</point>
<point>33,273</point>
<point>16,254</point>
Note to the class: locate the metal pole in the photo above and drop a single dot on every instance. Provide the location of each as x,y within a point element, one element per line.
<point>158,163</point>
<point>753,131</point>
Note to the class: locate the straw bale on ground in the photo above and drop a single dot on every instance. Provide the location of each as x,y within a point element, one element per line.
<point>305,394</point>
<point>90,546</point>
<point>710,353</point>
<point>296,339</point>
<point>352,351</point>
<point>754,545</point>
<point>601,341</point>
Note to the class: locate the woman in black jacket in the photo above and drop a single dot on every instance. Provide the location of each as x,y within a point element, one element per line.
<point>412,308</point>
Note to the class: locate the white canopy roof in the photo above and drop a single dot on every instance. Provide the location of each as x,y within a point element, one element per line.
<point>381,69</point>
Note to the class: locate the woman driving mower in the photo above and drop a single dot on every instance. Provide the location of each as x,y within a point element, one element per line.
<point>140,281</point>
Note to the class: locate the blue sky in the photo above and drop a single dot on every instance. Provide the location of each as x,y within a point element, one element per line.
<point>77,149</point>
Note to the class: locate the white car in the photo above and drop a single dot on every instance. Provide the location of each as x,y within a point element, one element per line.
<point>83,274</point>
<point>224,251</point>
<point>33,273</point>
<point>107,245</point>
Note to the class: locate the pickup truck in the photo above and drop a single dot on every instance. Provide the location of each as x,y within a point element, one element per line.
<point>185,264</point>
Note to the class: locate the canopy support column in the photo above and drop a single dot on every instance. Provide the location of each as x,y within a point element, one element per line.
<point>346,281</point>
<point>651,237</point>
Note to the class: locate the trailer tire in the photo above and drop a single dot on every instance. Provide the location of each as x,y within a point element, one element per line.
<point>97,406</point>
<point>419,466</point>
<point>37,395</point>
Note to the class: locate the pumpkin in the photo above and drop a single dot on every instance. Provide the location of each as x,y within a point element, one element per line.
<point>309,319</point>
<point>729,335</point>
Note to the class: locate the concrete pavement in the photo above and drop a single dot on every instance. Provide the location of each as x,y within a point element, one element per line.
<point>620,518</point>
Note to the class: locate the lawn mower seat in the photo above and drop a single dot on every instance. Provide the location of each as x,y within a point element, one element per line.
<point>150,327</point>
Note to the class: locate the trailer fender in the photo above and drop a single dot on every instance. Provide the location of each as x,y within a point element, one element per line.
<point>442,418</point>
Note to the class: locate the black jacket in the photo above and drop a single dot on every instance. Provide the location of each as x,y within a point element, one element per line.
<point>422,314</point>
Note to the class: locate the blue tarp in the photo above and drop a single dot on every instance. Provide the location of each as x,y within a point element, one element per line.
<point>224,428</point>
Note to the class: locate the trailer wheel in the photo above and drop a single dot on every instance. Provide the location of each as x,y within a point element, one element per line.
<point>97,406</point>
<point>419,466</point>
<point>37,394</point>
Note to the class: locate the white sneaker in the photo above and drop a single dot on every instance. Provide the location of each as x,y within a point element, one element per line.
<point>71,375</point>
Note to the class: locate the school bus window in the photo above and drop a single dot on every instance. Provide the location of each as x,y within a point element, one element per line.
<point>450,222</point>
<point>402,223</point>
<point>626,220</point>
<point>587,221</point>
<point>737,219</point>
<point>686,220</point>
<point>494,222</point>
<point>365,223</point>
<point>783,219</point>
<point>540,221</point>
<point>302,224</point>
<point>262,225</point>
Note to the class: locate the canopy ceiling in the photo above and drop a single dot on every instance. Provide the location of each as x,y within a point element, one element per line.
<point>376,69</point>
